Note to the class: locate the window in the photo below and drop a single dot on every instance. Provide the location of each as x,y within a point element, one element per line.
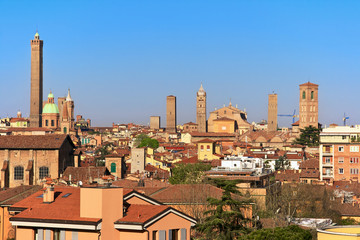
<point>202,147</point>
<point>46,122</point>
<point>303,95</point>
<point>343,138</point>
<point>208,147</point>
<point>341,171</point>
<point>327,160</point>
<point>341,149</point>
<point>113,167</point>
<point>65,129</point>
<point>312,94</point>
<point>354,148</point>
<point>341,159</point>
<point>154,234</point>
<point>354,160</point>
<point>52,123</point>
<point>354,171</point>
<point>43,172</point>
<point>18,173</point>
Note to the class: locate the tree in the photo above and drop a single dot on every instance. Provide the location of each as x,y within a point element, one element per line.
<point>309,136</point>
<point>292,232</point>
<point>282,163</point>
<point>225,219</point>
<point>144,140</point>
<point>188,173</point>
<point>101,153</point>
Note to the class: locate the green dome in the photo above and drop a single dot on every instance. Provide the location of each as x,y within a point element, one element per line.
<point>51,95</point>
<point>50,108</point>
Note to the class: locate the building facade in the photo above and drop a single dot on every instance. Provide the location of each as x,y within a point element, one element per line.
<point>171,114</point>
<point>340,153</point>
<point>230,112</point>
<point>308,105</point>
<point>26,160</point>
<point>201,109</point>
<point>155,122</point>
<point>36,90</point>
<point>272,113</point>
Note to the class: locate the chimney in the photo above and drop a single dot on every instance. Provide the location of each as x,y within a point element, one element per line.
<point>49,193</point>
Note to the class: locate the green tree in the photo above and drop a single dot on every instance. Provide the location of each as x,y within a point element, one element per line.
<point>225,219</point>
<point>188,173</point>
<point>101,153</point>
<point>292,232</point>
<point>144,140</point>
<point>348,221</point>
<point>282,163</point>
<point>309,136</point>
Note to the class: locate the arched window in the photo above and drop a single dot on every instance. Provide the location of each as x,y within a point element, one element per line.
<point>312,94</point>
<point>43,172</point>
<point>18,173</point>
<point>303,95</point>
<point>65,129</point>
<point>113,167</point>
<point>208,147</point>
<point>202,147</point>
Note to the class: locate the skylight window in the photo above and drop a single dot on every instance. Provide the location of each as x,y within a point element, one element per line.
<point>40,196</point>
<point>66,195</point>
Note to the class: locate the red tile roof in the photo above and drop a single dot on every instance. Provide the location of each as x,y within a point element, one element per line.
<point>50,141</point>
<point>141,213</point>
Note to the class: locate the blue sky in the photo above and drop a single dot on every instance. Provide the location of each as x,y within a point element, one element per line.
<point>122,58</point>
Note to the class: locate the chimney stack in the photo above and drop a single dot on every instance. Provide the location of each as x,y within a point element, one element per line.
<point>49,193</point>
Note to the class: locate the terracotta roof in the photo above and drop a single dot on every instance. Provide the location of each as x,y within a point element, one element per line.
<point>212,134</point>
<point>287,175</point>
<point>310,174</point>
<point>19,120</point>
<point>50,141</point>
<point>310,164</point>
<point>67,208</point>
<point>187,193</point>
<point>190,123</point>
<point>14,195</point>
<point>142,213</point>
<point>29,129</point>
<point>206,140</point>
<point>309,84</point>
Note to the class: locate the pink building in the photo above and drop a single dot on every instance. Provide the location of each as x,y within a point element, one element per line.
<point>70,213</point>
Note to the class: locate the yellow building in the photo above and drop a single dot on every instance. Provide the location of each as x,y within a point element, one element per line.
<point>206,150</point>
<point>347,232</point>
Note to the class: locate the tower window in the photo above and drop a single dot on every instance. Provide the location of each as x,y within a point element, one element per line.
<point>312,94</point>
<point>52,123</point>
<point>46,122</point>
<point>18,173</point>
<point>303,95</point>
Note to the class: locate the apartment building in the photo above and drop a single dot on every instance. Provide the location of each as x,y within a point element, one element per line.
<point>339,153</point>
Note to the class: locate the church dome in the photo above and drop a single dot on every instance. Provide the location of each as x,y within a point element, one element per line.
<point>50,108</point>
<point>51,95</point>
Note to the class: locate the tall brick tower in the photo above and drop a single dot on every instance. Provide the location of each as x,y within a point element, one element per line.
<point>171,114</point>
<point>201,109</point>
<point>308,105</point>
<point>272,113</point>
<point>36,91</point>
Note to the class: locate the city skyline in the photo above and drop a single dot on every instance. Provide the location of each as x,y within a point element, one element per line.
<point>124,74</point>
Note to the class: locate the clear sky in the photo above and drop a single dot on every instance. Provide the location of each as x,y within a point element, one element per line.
<point>122,58</point>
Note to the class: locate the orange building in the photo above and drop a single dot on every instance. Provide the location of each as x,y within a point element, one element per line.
<point>96,213</point>
<point>339,153</point>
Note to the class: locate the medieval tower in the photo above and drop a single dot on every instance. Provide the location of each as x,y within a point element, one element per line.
<point>201,109</point>
<point>272,113</point>
<point>171,114</point>
<point>308,105</point>
<point>36,90</point>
